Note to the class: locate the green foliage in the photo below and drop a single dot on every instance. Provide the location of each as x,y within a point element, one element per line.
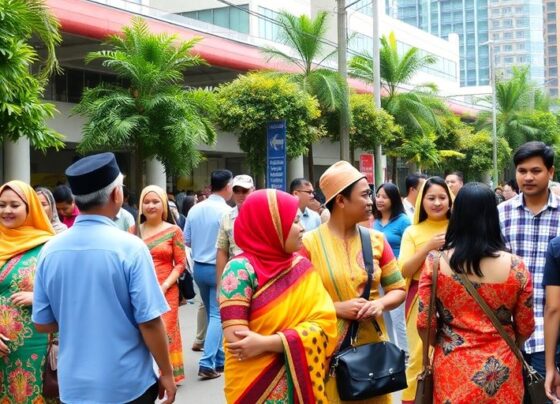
<point>153,113</point>
<point>249,102</point>
<point>417,109</point>
<point>516,100</point>
<point>370,126</point>
<point>22,114</point>
<point>306,36</point>
<point>477,150</point>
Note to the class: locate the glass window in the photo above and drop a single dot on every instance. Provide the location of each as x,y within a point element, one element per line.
<point>520,45</point>
<point>239,20</point>
<point>508,60</point>
<point>221,17</point>
<point>520,34</point>
<point>508,35</point>
<point>507,23</point>
<point>507,48</point>
<point>205,15</point>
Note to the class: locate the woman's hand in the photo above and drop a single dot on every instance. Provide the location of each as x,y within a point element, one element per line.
<point>253,344</point>
<point>349,309</point>
<point>371,309</point>
<point>436,242</point>
<point>22,298</point>
<point>4,350</point>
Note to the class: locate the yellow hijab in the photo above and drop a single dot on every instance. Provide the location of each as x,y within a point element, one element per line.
<point>160,193</point>
<point>36,229</point>
<point>418,205</point>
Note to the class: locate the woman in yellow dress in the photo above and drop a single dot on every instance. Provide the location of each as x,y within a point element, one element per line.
<point>335,251</point>
<point>427,233</point>
<point>279,322</point>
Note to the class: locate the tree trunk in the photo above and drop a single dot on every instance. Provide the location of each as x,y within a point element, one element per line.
<point>139,170</point>
<point>394,170</point>
<point>310,164</point>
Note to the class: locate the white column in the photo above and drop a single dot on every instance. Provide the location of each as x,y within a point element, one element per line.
<point>295,169</point>
<point>17,160</point>
<point>155,173</point>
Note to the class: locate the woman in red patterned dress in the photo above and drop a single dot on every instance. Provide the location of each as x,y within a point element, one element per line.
<point>472,363</point>
<point>165,241</point>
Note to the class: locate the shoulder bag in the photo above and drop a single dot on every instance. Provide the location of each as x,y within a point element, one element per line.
<point>372,369</point>
<point>186,285</point>
<point>425,384</point>
<point>50,376</point>
<point>534,382</point>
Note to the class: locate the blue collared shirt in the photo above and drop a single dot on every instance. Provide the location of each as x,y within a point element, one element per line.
<point>528,235</point>
<point>309,219</point>
<point>202,227</point>
<point>98,283</point>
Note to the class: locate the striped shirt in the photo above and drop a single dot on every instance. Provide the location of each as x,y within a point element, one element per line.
<point>528,235</point>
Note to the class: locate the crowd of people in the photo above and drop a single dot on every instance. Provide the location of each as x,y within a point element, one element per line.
<point>282,279</point>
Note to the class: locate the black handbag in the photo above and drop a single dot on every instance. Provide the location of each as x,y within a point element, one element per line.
<point>533,381</point>
<point>186,285</point>
<point>373,369</point>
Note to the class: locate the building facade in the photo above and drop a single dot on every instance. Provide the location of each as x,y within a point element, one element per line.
<point>517,36</point>
<point>466,18</point>
<point>551,51</point>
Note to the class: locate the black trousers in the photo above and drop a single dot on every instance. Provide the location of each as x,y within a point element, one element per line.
<point>148,397</point>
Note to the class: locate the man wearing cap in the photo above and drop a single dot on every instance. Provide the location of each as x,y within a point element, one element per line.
<point>96,286</point>
<point>201,232</point>
<point>303,190</point>
<point>335,250</point>
<point>225,245</point>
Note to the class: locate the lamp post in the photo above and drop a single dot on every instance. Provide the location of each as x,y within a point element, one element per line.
<point>492,74</point>
<point>377,89</point>
<point>344,128</point>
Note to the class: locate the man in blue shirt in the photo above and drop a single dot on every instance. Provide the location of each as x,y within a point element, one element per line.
<point>303,190</point>
<point>96,286</point>
<point>201,232</point>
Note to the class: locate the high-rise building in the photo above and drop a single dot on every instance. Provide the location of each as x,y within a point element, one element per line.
<point>516,33</point>
<point>551,51</point>
<point>467,18</point>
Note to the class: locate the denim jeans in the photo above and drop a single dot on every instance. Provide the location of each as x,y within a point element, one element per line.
<point>205,278</point>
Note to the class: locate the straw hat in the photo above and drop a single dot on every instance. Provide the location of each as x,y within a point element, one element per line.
<point>337,177</point>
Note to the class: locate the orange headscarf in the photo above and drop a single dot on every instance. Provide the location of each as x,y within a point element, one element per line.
<point>160,193</point>
<point>36,229</point>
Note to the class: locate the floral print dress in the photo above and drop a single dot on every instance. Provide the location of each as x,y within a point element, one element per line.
<point>20,371</point>
<point>472,363</point>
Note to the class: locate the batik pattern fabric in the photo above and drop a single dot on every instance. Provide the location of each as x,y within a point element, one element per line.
<point>168,252</point>
<point>472,363</point>
<point>341,267</point>
<point>21,370</point>
<point>293,305</point>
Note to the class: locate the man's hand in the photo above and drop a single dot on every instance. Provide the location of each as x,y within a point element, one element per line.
<point>552,385</point>
<point>167,388</point>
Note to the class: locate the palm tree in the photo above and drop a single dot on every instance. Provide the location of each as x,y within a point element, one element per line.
<point>149,111</point>
<point>307,37</point>
<point>22,113</point>
<point>415,109</point>
<point>515,98</point>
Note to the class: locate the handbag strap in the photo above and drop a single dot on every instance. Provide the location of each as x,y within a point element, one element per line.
<point>467,283</point>
<point>367,253</point>
<point>426,362</point>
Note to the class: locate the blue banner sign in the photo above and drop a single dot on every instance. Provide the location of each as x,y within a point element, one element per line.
<point>276,168</point>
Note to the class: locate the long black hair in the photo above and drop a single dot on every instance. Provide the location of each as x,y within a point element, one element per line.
<point>474,229</point>
<point>429,182</point>
<point>394,196</point>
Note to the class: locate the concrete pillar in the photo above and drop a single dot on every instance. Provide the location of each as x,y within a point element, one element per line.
<point>155,173</point>
<point>17,160</point>
<point>295,169</point>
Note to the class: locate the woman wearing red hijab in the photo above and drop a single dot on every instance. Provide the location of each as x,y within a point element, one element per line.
<point>279,322</point>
